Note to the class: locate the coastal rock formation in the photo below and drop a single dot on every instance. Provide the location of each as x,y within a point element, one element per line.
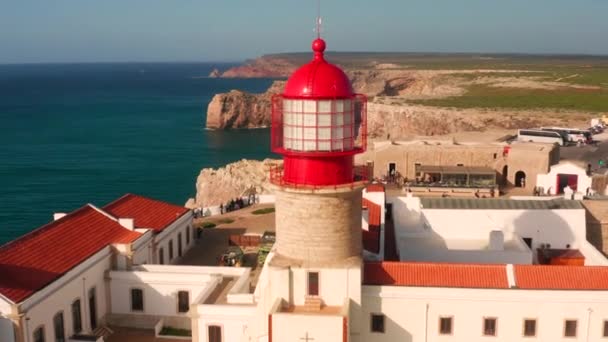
<point>239,109</point>
<point>215,73</point>
<point>215,186</point>
<point>263,67</point>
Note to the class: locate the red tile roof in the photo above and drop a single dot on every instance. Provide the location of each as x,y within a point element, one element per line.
<point>435,275</point>
<point>146,212</point>
<point>371,240</point>
<point>375,187</point>
<point>33,261</point>
<point>552,277</point>
<point>375,212</point>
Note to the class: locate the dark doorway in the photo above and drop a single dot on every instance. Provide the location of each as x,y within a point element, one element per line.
<point>93,308</point>
<point>389,211</point>
<point>566,180</point>
<point>505,175</point>
<point>392,171</point>
<point>313,283</point>
<point>520,179</point>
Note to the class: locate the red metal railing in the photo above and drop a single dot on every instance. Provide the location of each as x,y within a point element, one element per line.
<point>361,176</point>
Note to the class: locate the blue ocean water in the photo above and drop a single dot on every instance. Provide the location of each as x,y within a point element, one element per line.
<point>89,133</point>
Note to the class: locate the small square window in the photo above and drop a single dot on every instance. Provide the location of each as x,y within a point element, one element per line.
<point>489,326</point>
<point>445,325</point>
<point>570,328</point>
<point>183,301</point>
<point>377,323</point>
<point>529,327</point>
<point>605,332</point>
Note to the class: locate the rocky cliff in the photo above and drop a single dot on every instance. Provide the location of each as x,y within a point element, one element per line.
<point>239,109</point>
<point>215,186</point>
<point>263,67</point>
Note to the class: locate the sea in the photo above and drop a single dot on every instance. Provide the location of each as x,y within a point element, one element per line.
<point>72,134</point>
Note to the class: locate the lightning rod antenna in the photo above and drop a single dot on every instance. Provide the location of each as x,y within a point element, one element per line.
<point>319,20</point>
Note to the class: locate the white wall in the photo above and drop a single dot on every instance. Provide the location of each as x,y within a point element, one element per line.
<point>43,305</point>
<point>558,227</point>
<point>294,327</point>
<point>5,306</point>
<point>233,319</point>
<point>159,289</point>
<point>170,234</point>
<point>7,332</point>
<point>142,249</point>
<point>407,319</point>
<point>549,181</point>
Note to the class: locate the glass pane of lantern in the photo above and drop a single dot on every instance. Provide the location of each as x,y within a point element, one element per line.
<point>310,133</point>
<point>339,106</point>
<point>296,145</point>
<point>336,145</point>
<point>348,105</point>
<point>310,145</point>
<point>348,118</point>
<point>296,106</point>
<point>324,120</point>
<point>310,120</point>
<point>324,146</point>
<point>324,133</point>
<point>347,132</point>
<point>309,106</point>
<point>348,144</point>
<point>337,119</point>
<point>324,106</point>
<point>337,132</point>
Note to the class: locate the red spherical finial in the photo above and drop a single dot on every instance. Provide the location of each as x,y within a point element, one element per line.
<point>318,45</point>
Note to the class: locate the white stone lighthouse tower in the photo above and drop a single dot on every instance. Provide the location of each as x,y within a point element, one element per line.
<point>318,125</point>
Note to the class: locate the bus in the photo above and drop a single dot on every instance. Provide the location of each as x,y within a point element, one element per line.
<point>541,136</point>
<point>574,135</point>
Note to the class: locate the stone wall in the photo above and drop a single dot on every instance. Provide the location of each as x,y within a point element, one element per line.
<point>318,225</point>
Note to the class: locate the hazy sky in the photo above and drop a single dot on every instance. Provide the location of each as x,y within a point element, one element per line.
<point>232,30</point>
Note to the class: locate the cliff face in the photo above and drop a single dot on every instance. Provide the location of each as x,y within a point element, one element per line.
<point>216,186</point>
<point>263,67</point>
<point>239,109</point>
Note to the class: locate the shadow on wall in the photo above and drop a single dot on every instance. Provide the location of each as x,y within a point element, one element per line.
<point>544,227</point>
<point>394,332</point>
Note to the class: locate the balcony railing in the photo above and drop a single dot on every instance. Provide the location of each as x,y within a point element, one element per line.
<point>361,176</point>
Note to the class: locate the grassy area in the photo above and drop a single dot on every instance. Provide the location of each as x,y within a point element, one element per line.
<point>170,331</point>
<point>207,225</point>
<point>263,211</point>
<point>481,96</point>
<point>224,221</point>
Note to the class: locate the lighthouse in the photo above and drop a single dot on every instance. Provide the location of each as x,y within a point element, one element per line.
<point>318,126</point>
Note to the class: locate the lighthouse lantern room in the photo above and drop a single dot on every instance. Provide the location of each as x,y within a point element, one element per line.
<point>318,124</point>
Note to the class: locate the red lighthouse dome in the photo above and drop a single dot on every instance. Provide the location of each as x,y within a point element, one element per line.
<point>318,79</point>
<point>318,124</point>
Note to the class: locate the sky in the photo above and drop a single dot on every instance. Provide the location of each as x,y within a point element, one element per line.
<point>38,31</point>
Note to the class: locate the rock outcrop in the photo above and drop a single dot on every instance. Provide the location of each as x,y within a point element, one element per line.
<point>215,186</point>
<point>215,73</point>
<point>239,109</point>
<point>263,67</point>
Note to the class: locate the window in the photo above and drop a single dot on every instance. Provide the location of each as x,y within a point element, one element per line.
<point>93,308</point>
<point>495,155</point>
<point>137,300</point>
<point>183,301</point>
<point>39,334</point>
<point>489,326</point>
<point>76,317</point>
<point>187,236</point>
<point>445,325</point>
<point>215,333</point>
<point>459,164</point>
<point>179,245</point>
<point>570,328</point>
<point>377,322</point>
<point>161,256</point>
<point>605,333</point>
<point>58,326</point>
<point>529,327</point>
<point>528,242</point>
<point>170,250</point>
<point>313,283</point>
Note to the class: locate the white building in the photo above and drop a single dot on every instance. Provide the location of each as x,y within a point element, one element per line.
<point>562,175</point>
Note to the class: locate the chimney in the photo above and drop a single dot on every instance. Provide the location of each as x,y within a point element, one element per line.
<point>57,216</point>
<point>127,223</point>
<point>497,240</point>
